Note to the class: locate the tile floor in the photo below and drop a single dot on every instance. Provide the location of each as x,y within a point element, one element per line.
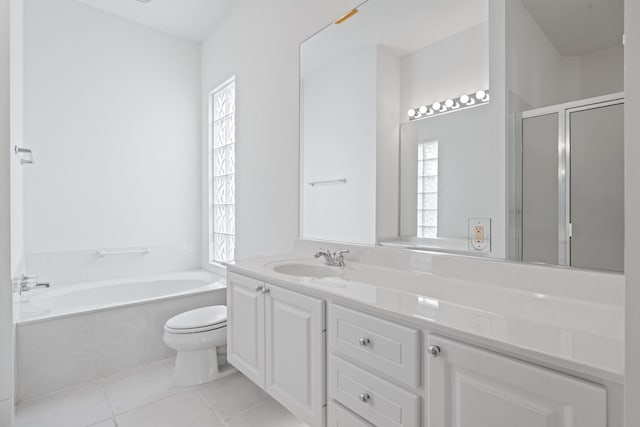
<point>146,397</point>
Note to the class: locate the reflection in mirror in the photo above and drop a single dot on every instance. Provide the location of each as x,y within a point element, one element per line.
<point>409,138</point>
<point>566,102</point>
<point>359,79</point>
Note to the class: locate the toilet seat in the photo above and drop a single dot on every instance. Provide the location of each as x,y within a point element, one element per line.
<point>199,320</point>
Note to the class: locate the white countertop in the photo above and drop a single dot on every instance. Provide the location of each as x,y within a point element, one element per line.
<point>577,334</point>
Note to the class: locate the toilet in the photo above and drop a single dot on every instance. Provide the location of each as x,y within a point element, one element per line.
<point>198,336</point>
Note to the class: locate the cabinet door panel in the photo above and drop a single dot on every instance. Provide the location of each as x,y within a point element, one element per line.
<point>391,349</point>
<point>342,417</point>
<point>373,398</point>
<point>469,387</point>
<point>245,327</point>
<point>295,349</point>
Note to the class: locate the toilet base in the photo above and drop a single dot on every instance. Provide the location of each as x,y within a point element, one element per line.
<point>199,367</point>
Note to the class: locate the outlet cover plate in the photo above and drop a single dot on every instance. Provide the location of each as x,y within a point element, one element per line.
<point>485,244</point>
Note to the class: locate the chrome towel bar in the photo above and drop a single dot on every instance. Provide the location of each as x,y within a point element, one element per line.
<point>330,182</point>
<point>143,251</point>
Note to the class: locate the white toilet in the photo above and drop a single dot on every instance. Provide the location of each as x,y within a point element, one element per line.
<point>198,336</point>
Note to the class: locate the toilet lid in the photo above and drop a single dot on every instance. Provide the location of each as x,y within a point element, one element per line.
<point>199,318</point>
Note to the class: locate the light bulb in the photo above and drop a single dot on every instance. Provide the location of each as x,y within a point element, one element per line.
<point>448,103</point>
<point>464,99</point>
<point>481,95</point>
<point>411,112</point>
<point>436,106</point>
<point>423,109</point>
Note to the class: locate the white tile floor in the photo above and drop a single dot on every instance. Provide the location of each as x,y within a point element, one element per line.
<point>145,397</point>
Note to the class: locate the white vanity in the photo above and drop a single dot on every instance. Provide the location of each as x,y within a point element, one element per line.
<point>374,346</point>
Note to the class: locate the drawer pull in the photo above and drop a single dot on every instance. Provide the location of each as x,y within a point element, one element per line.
<point>364,397</point>
<point>433,350</point>
<point>364,342</point>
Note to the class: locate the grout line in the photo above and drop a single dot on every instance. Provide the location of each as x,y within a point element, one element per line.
<point>68,389</point>
<point>211,408</point>
<point>106,396</point>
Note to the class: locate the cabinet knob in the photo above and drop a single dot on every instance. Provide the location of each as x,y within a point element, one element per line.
<point>265,290</point>
<point>364,342</point>
<point>259,288</point>
<point>364,397</point>
<point>433,350</point>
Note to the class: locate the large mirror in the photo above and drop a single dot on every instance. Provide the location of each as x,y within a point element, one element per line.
<point>457,126</point>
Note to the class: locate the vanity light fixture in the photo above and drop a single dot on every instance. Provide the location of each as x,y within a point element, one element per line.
<point>480,97</point>
<point>346,16</point>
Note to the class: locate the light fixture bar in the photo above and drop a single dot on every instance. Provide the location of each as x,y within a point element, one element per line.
<point>462,102</point>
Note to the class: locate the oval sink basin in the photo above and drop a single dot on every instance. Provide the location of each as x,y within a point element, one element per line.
<point>307,270</point>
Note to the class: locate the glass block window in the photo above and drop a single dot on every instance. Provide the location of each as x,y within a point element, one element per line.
<point>222,169</point>
<point>428,189</point>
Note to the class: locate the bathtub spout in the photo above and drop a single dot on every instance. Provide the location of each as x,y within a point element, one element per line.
<point>27,283</point>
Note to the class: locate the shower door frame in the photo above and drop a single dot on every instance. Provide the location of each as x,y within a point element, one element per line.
<point>563,112</point>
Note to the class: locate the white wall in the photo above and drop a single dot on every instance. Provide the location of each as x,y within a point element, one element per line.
<point>387,143</point>
<point>632,212</point>
<point>602,72</point>
<point>451,67</point>
<point>6,321</point>
<point>339,132</point>
<point>540,76</point>
<point>259,44</point>
<point>17,136</point>
<point>466,175</point>
<point>112,114</point>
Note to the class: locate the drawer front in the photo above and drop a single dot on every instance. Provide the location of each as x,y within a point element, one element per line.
<point>376,400</point>
<point>341,417</point>
<point>384,346</point>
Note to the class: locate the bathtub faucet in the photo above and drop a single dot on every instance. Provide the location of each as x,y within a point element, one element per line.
<point>26,283</point>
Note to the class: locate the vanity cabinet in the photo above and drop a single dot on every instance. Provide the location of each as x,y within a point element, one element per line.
<point>386,373</point>
<point>276,337</point>
<point>245,327</point>
<point>469,387</point>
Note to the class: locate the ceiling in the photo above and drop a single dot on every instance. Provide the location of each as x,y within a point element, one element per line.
<point>405,27</point>
<point>578,27</point>
<point>190,19</point>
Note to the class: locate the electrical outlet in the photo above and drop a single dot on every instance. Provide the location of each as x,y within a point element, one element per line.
<point>480,234</point>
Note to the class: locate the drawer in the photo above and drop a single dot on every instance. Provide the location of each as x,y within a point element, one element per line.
<point>341,417</point>
<point>376,400</point>
<point>381,345</point>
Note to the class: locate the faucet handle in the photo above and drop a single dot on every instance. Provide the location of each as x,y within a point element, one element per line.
<point>339,257</point>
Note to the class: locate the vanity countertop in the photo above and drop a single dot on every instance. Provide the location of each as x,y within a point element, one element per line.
<point>576,334</point>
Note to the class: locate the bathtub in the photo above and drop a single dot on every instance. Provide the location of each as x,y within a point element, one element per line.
<point>65,300</point>
<point>71,334</point>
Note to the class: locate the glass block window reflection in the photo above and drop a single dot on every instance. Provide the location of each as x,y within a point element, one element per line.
<point>222,169</point>
<point>428,189</point>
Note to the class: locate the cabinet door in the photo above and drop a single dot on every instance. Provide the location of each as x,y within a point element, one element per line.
<point>469,387</point>
<point>295,346</point>
<point>245,327</point>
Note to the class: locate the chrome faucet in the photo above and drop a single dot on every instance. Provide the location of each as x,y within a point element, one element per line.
<point>26,283</point>
<point>334,259</point>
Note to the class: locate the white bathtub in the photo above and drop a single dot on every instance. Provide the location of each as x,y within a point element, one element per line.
<point>65,300</point>
<point>97,329</point>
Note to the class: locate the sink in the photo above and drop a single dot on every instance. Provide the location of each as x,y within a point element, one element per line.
<point>307,270</point>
